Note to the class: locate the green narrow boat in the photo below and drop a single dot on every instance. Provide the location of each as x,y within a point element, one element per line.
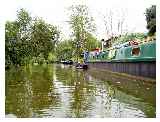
<point>136,59</point>
<point>143,52</point>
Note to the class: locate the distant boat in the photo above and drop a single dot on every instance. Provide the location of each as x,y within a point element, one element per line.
<point>81,66</point>
<point>69,62</point>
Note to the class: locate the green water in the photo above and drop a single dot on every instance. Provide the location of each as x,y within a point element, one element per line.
<point>62,91</point>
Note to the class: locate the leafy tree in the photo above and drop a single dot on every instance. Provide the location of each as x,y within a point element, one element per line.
<point>24,21</point>
<point>151,19</point>
<point>11,30</point>
<point>17,39</point>
<point>27,39</point>
<point>92,42</point>
<point>81,24</point>
<point>65,50</point>
<point>128,37</point>
<point>43,37</point>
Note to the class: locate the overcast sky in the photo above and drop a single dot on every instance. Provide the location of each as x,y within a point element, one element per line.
<point>55,12</point>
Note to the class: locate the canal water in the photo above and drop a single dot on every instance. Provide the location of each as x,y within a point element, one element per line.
<point>62,91</point>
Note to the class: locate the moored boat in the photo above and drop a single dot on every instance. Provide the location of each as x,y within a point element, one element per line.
<point>81,66</point>
<point>69,62</point>
<point>139,60</point>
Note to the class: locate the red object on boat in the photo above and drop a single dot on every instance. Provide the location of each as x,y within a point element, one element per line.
<point>96,49</point>
<point>133,42</point>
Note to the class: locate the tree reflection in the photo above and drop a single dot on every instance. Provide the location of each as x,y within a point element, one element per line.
<point>110,95</point>
<point>43,88</point>
<point>81,98</point>
<point>28,91</point>
<point>48,90</point>
<point>17,95</point>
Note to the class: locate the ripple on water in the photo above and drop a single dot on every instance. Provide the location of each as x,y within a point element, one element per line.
<point>65,92</point>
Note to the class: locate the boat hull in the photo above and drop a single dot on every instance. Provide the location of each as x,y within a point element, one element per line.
<point>144,69</point>
<point>139,60</point>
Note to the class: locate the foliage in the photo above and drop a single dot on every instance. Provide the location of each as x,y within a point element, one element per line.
<point>26,39</point>
<point>43,38</point>
<point>129,37</point>
<point>81,24</point>
<point>65,50</point>
<point>17,38</point>
<point>92,42</point>
<point>151,19</point>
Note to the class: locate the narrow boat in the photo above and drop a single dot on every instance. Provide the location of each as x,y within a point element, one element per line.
<point>139,60</point>
<point>67,62</point>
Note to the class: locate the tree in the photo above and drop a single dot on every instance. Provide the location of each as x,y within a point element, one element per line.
<point>92,42</point>
<point>11,30</point>
<point>114,22</point>
<point>17,38</point>
<point>65,50</point>
<point>151,19</point>
<point>43,38</point>
<point>26,39</point>
<point>128,37</point>
<point>81,24</point>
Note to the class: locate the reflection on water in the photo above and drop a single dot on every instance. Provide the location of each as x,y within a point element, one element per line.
<point>62,91</point>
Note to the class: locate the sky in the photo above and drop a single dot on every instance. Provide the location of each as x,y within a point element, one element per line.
<point>55,12</point>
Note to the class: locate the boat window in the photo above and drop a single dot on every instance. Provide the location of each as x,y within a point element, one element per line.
<point>135,51</point>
